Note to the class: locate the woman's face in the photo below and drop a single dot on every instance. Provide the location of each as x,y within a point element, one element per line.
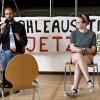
<point>79,23</point>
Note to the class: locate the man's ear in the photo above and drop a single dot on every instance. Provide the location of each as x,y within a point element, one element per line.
<point>14,13</point>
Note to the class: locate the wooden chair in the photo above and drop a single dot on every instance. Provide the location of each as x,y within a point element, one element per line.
<point>70,65</point>
<point>21,71</point>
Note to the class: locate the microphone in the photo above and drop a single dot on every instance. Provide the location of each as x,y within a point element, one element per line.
<point>6,21</point>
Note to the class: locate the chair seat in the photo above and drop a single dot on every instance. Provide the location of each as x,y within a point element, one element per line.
<point>73,65</point>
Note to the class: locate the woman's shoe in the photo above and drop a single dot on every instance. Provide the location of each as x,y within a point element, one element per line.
<point>90,86</point>
<point>72,93</point>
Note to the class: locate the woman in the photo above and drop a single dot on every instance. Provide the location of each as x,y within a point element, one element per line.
<point>83,46</point>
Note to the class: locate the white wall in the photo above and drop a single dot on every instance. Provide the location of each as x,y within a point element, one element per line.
<point>56,62</point>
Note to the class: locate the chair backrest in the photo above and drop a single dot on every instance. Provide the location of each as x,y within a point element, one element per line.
<point>21,71</point>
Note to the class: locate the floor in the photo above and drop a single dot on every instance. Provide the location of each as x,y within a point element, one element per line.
<point>52,88</point>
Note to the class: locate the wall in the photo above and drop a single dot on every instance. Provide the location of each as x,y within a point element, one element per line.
<point>50,52</point>
<point>56,62</point>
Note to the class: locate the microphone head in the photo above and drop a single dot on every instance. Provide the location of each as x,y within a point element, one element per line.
<point>7,21</point>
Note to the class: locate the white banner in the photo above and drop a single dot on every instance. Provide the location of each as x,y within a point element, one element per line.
<point>52,35</point>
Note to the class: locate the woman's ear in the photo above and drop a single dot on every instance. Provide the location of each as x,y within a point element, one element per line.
<point>85,24</point>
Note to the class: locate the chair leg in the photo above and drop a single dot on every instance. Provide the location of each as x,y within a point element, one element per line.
<point>1,85</point>
<point>98,75</point>
<point>2,93</point>
<point>33,93</point>
<point>93,75</point>
<point>70,75</point>
<point>0,75</point>
<point>65,79</point>
<point>38,91</point>
<point>35,89</point>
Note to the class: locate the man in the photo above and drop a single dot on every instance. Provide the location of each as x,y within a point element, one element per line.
<point>13,39</point>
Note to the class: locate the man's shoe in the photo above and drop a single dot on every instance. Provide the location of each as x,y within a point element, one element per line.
<point>15,92</point>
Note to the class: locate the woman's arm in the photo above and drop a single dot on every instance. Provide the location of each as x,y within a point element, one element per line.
<point>76,49</point>
<point>91,51</point>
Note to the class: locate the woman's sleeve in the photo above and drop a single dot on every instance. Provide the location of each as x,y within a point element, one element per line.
<point>94,40</point>
<point>72,38</point>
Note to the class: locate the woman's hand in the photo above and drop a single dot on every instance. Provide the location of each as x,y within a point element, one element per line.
<point>91,51</point>
<point>76,49</point>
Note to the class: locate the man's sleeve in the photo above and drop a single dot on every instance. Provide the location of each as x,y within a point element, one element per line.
<point>0,38</point>
<point>23,41</point>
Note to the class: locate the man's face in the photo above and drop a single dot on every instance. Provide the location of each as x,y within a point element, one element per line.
<point>9,14</point>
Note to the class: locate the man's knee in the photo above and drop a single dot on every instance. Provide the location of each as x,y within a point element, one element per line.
<point>9,52</point>
<point>5,57</point>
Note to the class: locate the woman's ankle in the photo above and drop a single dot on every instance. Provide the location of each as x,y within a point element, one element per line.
<point>75,90</point>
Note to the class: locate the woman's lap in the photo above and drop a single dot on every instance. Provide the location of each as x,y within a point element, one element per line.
<point>77,56</point>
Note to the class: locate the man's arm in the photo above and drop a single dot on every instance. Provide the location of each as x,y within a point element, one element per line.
<point>2,31</point>
<point>22,38</point>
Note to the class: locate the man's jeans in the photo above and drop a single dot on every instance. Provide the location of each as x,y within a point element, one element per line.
<point>5,57</point>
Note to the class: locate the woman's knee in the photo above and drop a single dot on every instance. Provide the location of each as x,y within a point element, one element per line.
<point>76,57</point>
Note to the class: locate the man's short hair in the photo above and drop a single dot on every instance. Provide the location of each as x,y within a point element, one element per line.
<point>9,7</point>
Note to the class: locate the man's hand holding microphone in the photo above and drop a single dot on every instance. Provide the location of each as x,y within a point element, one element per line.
<point>3,27</point>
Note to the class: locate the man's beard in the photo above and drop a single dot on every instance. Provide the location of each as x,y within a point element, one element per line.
<point>10,19</point>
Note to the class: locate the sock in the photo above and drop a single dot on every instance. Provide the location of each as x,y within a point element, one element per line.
<point>89,81</point>
<point>75,90</point>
